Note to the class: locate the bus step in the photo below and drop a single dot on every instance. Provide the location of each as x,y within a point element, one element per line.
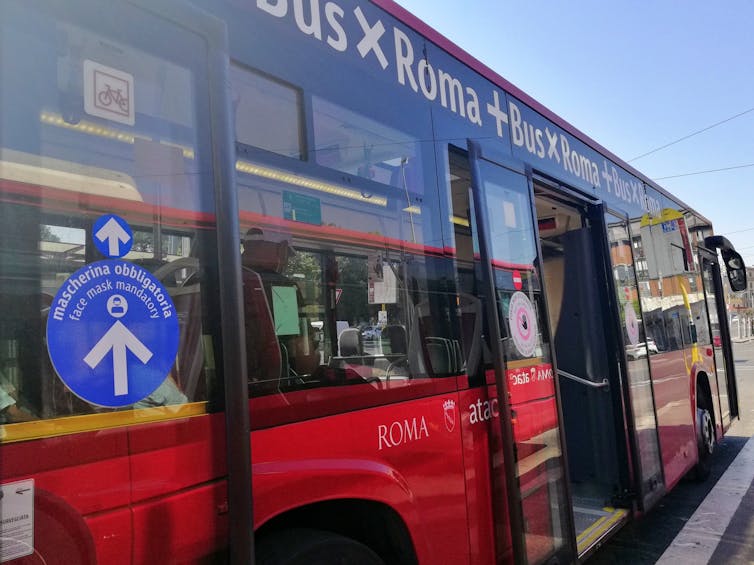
<point>601,523</point>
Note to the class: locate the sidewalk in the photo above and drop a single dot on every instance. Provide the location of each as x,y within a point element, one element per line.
<point>721,531</point>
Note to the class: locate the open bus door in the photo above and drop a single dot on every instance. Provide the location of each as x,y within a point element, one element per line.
<point>721,344</point>
<point>541,522</point>
<point>587,342</point>
<point>714,293</point>
<point>634,350</point>
<point>563,307</point>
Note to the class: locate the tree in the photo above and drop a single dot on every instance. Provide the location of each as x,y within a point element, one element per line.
<point>46,234</point>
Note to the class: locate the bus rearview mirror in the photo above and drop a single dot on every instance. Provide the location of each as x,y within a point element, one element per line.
<point>736,269</point>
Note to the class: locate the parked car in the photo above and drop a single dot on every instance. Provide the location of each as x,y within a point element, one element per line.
<point>640,349</point>
<point>371,332</point>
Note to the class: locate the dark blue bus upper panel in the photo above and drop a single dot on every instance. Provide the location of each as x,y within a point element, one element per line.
<point>357,53</point>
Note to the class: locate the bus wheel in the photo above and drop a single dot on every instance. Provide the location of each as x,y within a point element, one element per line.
<point>705,437</point>
<point>313,547</point>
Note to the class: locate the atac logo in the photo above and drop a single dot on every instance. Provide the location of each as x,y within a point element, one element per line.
<point>450,414</point>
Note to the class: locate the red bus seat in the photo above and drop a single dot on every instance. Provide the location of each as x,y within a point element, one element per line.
<point>264,361</point>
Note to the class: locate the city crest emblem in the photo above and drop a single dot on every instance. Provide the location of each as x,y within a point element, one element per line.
<point>450,414</point>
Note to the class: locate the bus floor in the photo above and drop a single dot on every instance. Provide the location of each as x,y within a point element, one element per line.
<point>593,520</point>
<point>593,524</point>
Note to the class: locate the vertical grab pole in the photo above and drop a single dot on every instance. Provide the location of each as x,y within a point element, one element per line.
<point>237,420</point>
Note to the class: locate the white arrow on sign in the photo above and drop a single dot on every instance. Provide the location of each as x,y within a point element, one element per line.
<point>113,233</point>
<point>118,339</point>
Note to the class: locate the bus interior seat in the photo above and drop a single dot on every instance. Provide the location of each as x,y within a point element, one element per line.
<point>287,374</point>
<point>416,356</point>
<point>189,363</point>
<point>440,354</point>
<point>394,341</point>
<point>350,351</point>
<point>350,344</point>
<point>268,259</point>
<point>457,357</point>
<point>351,355</point>
<point>261,255</point>
<point>182,279</point>
<point>352,365</point>
<point>263,354</point>
<point>470,310</point>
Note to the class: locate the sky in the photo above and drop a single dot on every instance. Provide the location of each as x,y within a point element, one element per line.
<point>634,76</point>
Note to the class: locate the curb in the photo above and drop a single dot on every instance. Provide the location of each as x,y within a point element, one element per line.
<point>699,538</point>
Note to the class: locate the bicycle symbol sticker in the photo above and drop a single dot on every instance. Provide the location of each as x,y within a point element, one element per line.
<point>108,93</point>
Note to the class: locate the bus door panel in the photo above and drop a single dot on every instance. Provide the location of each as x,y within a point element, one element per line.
<point>521,368</point>
<point>722,352</point>
<point>667,292</point>
<point>634,355</point>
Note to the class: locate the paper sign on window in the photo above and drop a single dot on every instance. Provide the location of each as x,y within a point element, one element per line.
<point>384,291</point>
<point>285,310</point>
<point>509,214</point>
<point>16,520</point>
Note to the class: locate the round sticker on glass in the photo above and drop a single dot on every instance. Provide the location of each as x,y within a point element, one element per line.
<point>112,236</point>
<point>522,321</point>
<point>112,333</point>
<point>632,323</point>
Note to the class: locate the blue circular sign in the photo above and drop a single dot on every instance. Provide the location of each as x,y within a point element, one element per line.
<point>112,333</point>
<point>112,236</point>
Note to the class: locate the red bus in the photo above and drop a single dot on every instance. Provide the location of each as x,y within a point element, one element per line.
<point>303,282</point>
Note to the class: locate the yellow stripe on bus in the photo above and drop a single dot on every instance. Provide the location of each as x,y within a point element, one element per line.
<point>90,422</point>
<point>599,528</point>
